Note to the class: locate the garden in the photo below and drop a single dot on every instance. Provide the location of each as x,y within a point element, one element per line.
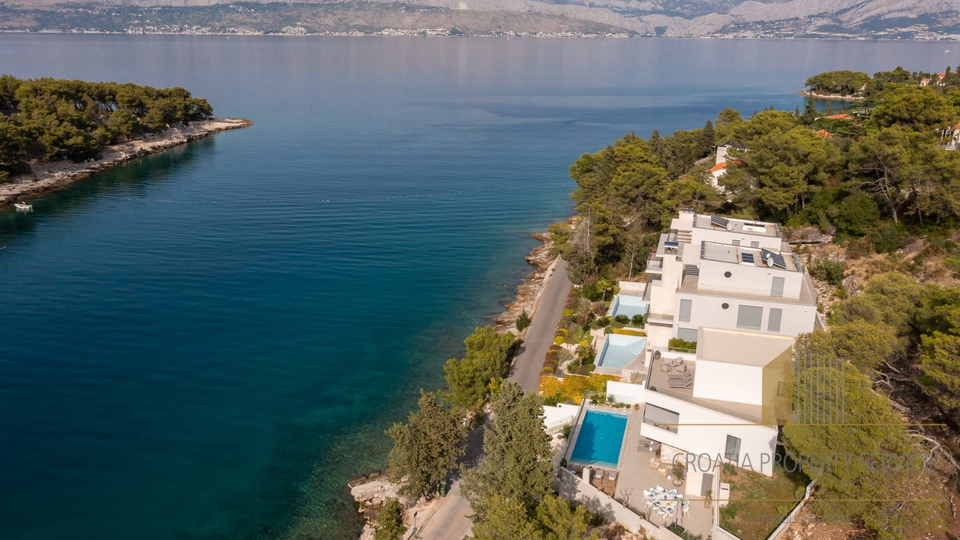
<point>758,503</point>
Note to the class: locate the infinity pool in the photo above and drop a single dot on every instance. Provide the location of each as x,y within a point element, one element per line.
<point>625,304</point>
<point>619,350</point>
<point>600,439</point>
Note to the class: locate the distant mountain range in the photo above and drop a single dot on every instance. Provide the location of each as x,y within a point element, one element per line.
<point>891,19</point>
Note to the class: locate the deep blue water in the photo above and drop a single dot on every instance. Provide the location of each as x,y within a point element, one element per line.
<point>600,439</point>
<point>208,343</point>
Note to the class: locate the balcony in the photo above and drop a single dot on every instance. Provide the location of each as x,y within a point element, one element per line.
<point>654,265</point>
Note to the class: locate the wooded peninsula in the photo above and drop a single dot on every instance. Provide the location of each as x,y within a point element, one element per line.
<point>46,122</point>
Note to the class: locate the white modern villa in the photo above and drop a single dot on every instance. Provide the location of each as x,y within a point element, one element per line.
<point>724,301</point>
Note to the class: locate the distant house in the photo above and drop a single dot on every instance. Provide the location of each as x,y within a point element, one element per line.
<point>924,82</point>
<point>955,139</point>
<point>824,133</point>
<point>940,77</point>
<point>722,162</point>
<point>842,116</point>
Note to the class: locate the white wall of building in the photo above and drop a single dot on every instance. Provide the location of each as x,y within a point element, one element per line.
<point>747,279</point>
<point>559,415</point>
<point>707,311</point>
<point>709,436</point>
<point>625,392</point>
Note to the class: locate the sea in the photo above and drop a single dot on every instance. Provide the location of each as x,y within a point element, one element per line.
<point>208,343</point>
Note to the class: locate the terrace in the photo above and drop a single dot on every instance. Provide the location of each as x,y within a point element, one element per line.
<point>629,305</point>
<point>759,228</point>
<point>641,470</point>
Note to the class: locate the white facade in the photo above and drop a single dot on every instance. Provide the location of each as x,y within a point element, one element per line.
<point>706,431</point>
<point>734,287</point>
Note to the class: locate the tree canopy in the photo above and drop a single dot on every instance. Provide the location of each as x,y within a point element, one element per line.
<point>426,448</point>
<point>841,82</point>
<point>51,119</point>
<point>517,459</point>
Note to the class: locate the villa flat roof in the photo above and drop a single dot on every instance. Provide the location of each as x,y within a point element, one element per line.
<point>807,296</point>
<point>738,347</point>
<point>759,228</point>
<point>728,253</point>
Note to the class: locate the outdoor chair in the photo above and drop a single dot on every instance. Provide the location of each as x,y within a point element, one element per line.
<point>680,381</point>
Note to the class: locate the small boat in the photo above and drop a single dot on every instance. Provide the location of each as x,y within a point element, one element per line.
<point>23,207</point>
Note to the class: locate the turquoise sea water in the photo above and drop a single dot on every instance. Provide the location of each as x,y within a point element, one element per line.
<point>208,343</point>
<point>599,439</point>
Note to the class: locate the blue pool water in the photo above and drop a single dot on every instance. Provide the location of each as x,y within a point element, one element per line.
<point>600,438</point>
<point>624,304</point>
<point>619,351</point>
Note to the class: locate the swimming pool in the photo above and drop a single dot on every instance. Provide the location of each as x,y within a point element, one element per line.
<point>619,350</point>
<point>624,304</point>
<point>599,439</point>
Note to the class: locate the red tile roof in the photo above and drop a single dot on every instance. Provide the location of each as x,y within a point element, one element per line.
<point>843,116</point>
<point>824,133</point>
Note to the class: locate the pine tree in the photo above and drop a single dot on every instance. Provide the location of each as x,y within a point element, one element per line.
<point>426,448</point>
<point>517,458</point>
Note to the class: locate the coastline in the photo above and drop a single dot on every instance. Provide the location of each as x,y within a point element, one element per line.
<point>529,290</point>
<point>372,490</point>
<point>832,97</point>
<point>49,176</point>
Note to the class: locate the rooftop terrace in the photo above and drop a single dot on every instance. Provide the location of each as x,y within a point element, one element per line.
<point>759,228</point>
<point>728,253</point>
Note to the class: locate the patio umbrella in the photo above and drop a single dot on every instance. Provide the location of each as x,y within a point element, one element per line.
<point>678,511</point>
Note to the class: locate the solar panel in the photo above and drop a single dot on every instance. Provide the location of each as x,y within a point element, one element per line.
<point>719,221</point>
<point>747,257</point>
<point>774,259</point>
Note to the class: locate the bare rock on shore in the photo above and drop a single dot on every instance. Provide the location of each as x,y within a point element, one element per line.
<point>540,258</point>
<point>371,493</point>
<point>47,176</point>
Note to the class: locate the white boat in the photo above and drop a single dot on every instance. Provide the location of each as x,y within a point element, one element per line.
<point>23,207</point>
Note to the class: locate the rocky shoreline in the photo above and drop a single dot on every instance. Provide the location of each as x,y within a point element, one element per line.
<point>832,97</point>
<point>371,491</point>
<point>48,176</point>
<point>541,259</point>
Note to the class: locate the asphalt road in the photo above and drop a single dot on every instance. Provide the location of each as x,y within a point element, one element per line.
<point>448,520</point>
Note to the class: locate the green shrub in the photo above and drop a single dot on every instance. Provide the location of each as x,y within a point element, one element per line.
<point>389,523</point>
<point>523,321</point>
<point>829,271</point>
<point>622,319</point>
<point>566,435</point>
<point>856,214</point>
<point>625,332</point>
<point>637,320</point>
<point>559,340</point>
<point>888,238</point>
<point>729,511</point>
<point>677,344</point>
<point>568,312</point>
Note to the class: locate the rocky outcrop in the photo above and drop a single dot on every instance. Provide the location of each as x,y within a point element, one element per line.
<point>541,259</point>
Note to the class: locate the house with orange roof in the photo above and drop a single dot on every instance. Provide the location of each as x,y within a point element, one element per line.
<point>924,82</point>
<point>842,116</point>
<point>824,133</point>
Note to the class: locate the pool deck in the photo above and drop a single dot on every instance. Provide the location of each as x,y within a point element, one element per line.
<point>636,475</point>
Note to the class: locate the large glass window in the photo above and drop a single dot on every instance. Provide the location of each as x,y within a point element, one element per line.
<point>686,306</point>
<point>662,418</point>
<point>773,325</point>
<point>732,451</point>
<point>750,317</point>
